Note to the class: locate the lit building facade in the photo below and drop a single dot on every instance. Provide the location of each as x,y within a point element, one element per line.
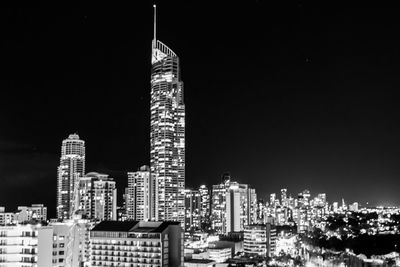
<point>193,208</point>
<point>26,245</point>
<point>167,133</point>
<point>6,217</point>
<point>233,209</point>
<point>71,243</point>
<point>219,254</point>
<point>71,168</point>
<point>218,205</point>
<point>35,212</point>
<point>140,196</point>
<point>233,206</point>
<point>284,197</point>
<point>259,239</point>
<point>205,203</point>
<point>98,197</point>
<point>133,243</point>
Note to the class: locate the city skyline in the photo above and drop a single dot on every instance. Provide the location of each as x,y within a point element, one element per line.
<point>329,141</point>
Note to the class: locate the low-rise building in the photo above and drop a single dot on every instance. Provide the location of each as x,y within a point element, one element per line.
<point>260,240</point>
<point>36,212</point>
<point>133,243</point>
<point>220,254</point>
<point>199,263</point>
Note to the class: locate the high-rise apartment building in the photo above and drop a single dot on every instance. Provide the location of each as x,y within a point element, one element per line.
<point>167,133</point>
<point>104,198</point>
<point>284,197</point>
<point>71,168</point>
<point>233,209</point>
<point>140,195</point>
<point>233,206</point>
<point>272,199</point>
<point>193,208</point>
<point>218,204</point>
<point>97,197</point>
<point>205,203</point>
<point>241,207</point>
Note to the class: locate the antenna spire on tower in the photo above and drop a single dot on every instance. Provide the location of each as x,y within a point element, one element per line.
<point>155,22</point>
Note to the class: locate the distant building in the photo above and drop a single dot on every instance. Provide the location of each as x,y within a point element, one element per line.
<point>260,240</point>
<point>303,198</point>
<point>233,206</point>
<point>199,263</point>
<point>241,207</point>
<point>98,197</point>
<point>140,199</point>
<point>344,206</point>
<point>218,205</point>
<point>193,209</point>
<point>35,212</point>
<point>234,244</point>
<point>122,212</point>
<point>233,209</point>
<point>205,203</point>
<point>128,243</point>
<point>272,198</point>
<point>353,207</point>
<point>6,218</point>
<point>71,168</point>
<point>335,207</point>
<point>219,254</point>
<point>284,197</point>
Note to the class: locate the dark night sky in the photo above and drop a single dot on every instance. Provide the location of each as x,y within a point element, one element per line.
<point>292,95</point>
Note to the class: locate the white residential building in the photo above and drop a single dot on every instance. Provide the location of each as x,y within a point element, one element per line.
<point>26,245</point>
<point>133,243</point>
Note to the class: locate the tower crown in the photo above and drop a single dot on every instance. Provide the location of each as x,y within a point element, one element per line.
<point>159,49</point>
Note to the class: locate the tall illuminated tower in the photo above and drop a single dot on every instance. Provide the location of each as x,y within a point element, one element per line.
<point>167,133</point>
<point>72,167</point>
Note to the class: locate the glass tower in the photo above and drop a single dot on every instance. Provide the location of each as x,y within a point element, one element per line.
<point>72,167</point>
<point>167,133</point>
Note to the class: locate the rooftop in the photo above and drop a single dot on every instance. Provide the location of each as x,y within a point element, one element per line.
<point>115,226</point>
<point>199,261</point>
<point>133,226</point>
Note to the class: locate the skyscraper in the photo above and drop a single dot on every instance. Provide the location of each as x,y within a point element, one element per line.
<point>72,166</point>
<point>167,133</point>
